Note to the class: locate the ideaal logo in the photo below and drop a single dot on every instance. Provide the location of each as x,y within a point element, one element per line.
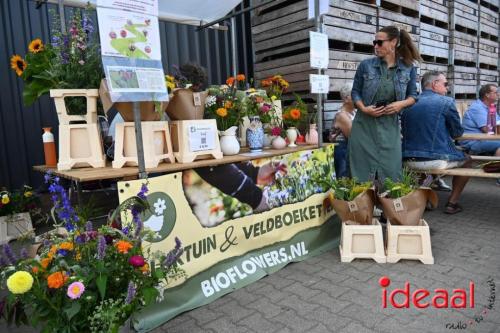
<point>439,299</point>
<point>161,216</point>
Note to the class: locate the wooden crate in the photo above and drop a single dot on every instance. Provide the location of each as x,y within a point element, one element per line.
<point>463,79</point>
<point>463,47</point>
<point>488,52</point>
<point>409,23</point>
<point>488,23</point>
<point>464,16</point>
<point>434,41</point>
<point>488,76</point>
<point>492,4</point>
<point>436,10</point>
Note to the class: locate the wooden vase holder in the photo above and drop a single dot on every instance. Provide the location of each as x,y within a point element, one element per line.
<point>80,144</point>
<point>409,242</point>
<point>156,140</point>
<point>180,131</point>
<point>362,241</point>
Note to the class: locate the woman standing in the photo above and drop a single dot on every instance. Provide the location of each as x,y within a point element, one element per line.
<point>341,129</point>
<point>383,86</point>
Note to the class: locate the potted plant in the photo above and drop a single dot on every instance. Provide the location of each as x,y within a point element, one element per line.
<point>292,117</point>
<point>15,213</point>
<point>404,201</point>
<point>88,280</point>
<point>223,106</point>
<point>188,96</point>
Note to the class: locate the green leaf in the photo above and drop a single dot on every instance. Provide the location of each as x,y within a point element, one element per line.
<point>72,310</point>
<point>101,282</point>
<point>159,274</point>
<point>150,295</point>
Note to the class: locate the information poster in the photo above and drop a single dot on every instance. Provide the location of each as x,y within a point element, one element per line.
<point>319,51</point>
<point>320,84</point>
<point>149,7</point>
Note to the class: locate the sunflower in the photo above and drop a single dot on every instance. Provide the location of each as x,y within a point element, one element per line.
<point>36,45</point>
<point>221,112</point>
<point>295,114</point>
<point>18,64</point>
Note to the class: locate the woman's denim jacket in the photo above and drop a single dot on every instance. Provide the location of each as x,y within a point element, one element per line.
<point>429,127</point>
<point>367,80</point>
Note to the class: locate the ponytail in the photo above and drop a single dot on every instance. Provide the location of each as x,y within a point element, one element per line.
<point>405,48</point>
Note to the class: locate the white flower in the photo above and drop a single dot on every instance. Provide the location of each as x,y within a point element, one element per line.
<point>210,100</point>
<point>159,206</point>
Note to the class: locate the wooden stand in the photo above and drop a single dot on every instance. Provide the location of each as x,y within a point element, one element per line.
<point>79,144</point>
<point>409,242</point>
<point>14,226</point>
<point>157,144</point>
<point>362,241</point>
<point>183,135</point>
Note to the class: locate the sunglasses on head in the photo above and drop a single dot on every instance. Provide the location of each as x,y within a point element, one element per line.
<point>379,42</point>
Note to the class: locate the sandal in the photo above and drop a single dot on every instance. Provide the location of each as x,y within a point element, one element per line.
<point>452,208</point>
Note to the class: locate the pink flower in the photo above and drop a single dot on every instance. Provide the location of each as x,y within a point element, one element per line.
<point>265,108</point>
<point>75,290</point>
<point>81,62</point>
<point>275,131</point>
<point>136,261</point>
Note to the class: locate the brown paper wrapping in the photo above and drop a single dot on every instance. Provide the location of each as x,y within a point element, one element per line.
<point>408,210</point>
<point>359,210</point>
<point>126,109</point>
<point>187,105</point>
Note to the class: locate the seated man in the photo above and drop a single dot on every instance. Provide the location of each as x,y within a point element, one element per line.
<point>428,129</point>
<point>476,121</point>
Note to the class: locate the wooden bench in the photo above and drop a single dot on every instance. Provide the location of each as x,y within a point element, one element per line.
<point>468,172</point>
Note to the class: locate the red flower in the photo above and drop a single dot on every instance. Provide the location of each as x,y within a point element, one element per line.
<point>137,261</point>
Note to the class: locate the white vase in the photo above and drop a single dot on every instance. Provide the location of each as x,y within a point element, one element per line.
<point>278,143</point>
<point>229,144</point>
<point>291,135</point>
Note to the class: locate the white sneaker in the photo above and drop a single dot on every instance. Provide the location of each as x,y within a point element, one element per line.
<point>440,185</point>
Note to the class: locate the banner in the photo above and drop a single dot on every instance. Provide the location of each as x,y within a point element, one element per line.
<point>237,222</point>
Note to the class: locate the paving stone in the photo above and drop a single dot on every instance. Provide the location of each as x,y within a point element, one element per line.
<point>302,291</point>
<point>301,307</point>
<point>267,308</point>
<point>257,323</point>
<point>355,328</point>
<point>293,321</point>
<point>224,325</point>
<point>234,312</point>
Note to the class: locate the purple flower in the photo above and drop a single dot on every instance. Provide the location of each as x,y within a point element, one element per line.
<point>130,293</point>
<point>125,230</point>
<point>55,41</point>
<point>136,261</point>
<point>24,253</point>
<point>87,25</point>
<point>9,254</point>
<point>62,252</point>
<point>88,226</point>
<point>3,262</point>
<point>109,239</point>
<point>101,247</point>
<point>174,254</point>
<point>46,243</point>
<point>143,191</point>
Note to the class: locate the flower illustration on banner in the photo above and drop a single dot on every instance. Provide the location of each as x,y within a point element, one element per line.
<point>159,206</point>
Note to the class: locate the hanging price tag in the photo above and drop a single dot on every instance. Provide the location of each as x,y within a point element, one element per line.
<point>320,84</point>
<point>201,137</point>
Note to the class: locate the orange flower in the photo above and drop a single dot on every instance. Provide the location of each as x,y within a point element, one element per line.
<point>230,81</point>
<point>34,269</point>
<point>145,268</point>
<point>221,112</point>
<point>266,83</point>
<point>285,116</point>
<point>228,104</point>
<point>66,246</point>
<point>123,246</point>
<point>240,77</point>
<point>36,45</point>
<point>56,280</point>
<point>295,114</point>
<point>18,64</point>
<point>45,262</point>
<point>259,99</point>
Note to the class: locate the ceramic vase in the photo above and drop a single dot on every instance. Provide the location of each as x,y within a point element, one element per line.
<point>291,135</point>
<point>229,144</point>
<point>278,143</point>
<point>312,135</point>
<point>255,134</point>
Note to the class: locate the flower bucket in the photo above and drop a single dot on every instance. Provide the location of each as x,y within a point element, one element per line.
<point>408,209</point>
<point>15,226</point>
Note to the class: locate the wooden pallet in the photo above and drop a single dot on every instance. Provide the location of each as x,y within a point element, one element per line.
<point>488,52</point>
<point>491,4</point>
<point>435,10</point>
<point>434,41</point>
<point>464,15</point>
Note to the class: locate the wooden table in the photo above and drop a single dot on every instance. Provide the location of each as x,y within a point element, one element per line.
<point>479,136</point>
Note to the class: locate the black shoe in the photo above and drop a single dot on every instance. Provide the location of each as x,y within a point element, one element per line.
<point>452,208</point>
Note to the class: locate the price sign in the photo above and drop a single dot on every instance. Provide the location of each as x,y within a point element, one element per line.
<point>201,137</point>
<point>319,52</point>
<point>320,84</point>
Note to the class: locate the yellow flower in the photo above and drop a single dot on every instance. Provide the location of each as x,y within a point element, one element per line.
<point>221,112</point>
<point>228,104</point>
<point>36,45</point>
<point>169,78</point>
<point>5,199</point>
<point>273,98</point>
<point>20,282</point>
<point>170,85</point>
<point>18,64</point>
<point>28,194</point>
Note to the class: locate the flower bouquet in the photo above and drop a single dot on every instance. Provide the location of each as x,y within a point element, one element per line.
<point>223,106</point>
<point>90,280</point>
<point>295,114</point>
<point>353,201</point>
<point>404,202</point>
<point>188,97</point>
<point>71,61</point>
<point>275,86</point>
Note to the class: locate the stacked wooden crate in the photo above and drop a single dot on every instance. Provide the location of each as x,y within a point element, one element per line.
<point>434,35</point>
<point>464,32</point>
<point>488,41</point>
